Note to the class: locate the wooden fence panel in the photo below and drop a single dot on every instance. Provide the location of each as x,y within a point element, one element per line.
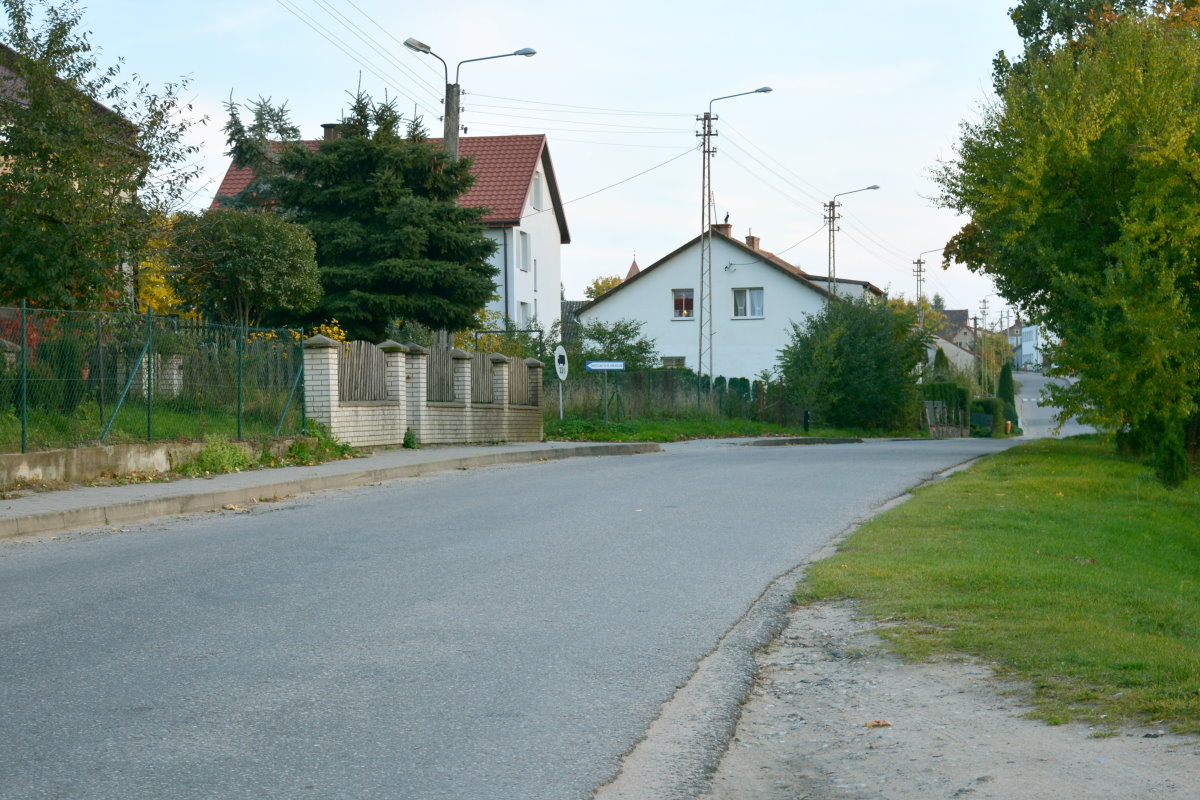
<point>362,372</point>
<point>441,376</point>
<point>481,378</point>
<point>518,382</point>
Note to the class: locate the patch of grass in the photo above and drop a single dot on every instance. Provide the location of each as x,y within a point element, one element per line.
<point>674,430</point>
<point>216,457</point>
<point>1064,564</point>
<point>321,447</point>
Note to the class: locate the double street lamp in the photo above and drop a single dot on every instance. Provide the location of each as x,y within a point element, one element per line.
<point>706,213</point>
<point>454,91</point>
<point>831,218</point>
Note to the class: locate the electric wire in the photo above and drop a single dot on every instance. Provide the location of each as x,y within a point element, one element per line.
<point>367,39</point>
<point>346,49</point>
<point>618,183</point>
<point>802,241</point>
<point>589,108</point>
<point>633,128</point>
<point>423,61</point>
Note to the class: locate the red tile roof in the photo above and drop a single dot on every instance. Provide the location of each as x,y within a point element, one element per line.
<point>503,167</point>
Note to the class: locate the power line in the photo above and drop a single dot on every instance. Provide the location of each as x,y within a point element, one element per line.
<point>363,36</point>
<point>802,241</point>
<point>346,49</point>
<point>589,108</point>
<point>570,110</point>
<point>590,122</point>
<point>618,183</point>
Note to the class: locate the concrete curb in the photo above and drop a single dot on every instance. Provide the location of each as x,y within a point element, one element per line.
<point>189,502</point>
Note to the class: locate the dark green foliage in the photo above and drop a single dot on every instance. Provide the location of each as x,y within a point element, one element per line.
<point>57,382</point>
<point>79,182</point>
<point>854,365</point>
<point>950,394</point>
<point>392,242</point>
<point>941,365</point>
<point>239,266</point>
<point>993,409</point>
<point>1006,390</point>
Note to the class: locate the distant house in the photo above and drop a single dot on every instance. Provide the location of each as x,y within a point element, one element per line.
<point>515,182</point>
<point>756,298</point>
<point>959,356</point>
<point>1029,344</point>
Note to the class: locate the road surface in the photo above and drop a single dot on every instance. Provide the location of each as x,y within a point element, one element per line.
<point>481,635</point>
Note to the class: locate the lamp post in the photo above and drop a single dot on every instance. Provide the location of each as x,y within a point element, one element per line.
<point>454,90</point>
<point>919,272</point>
<point>706,213</point>
<point>831,218</point>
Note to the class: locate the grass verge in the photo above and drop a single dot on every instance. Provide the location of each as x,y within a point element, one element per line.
<point>1061,563</point>
<point>674,430</point>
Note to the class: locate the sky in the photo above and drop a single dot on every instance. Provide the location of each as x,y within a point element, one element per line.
<point>867,92</point>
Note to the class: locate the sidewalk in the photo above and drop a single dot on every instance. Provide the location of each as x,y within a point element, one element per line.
<point>89,506</point>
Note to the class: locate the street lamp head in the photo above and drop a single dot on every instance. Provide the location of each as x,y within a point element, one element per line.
<point>420,47</point>
<point>872,187</point>
<point>762,89</point>
<point>526,51</point>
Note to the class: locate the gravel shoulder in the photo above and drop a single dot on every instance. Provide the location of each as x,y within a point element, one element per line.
<point>955,730</point>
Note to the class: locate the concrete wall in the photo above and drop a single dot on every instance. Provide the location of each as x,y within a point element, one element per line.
<point>88,463</point>
<point>384,422</point>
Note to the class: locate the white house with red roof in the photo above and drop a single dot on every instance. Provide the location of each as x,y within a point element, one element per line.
<point>515,182</point>
<point>756,298</point>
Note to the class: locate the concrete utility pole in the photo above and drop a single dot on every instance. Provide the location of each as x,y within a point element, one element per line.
<point>453,97</point>
<point>919,272</point>
<point>831,218</point>
<point>707,210</point>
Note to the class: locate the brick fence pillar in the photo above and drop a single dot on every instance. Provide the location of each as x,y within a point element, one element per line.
<point>321,381</point>
<point>417,383</point>
<point>397,379</point>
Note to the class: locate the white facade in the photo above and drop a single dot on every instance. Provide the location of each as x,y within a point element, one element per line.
<point>755,301</point>
<point>528,260</point>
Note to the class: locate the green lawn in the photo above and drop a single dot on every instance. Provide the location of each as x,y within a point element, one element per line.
<point>1060,562</point>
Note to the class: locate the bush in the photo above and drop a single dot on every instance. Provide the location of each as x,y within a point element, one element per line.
<point>855,365</point>
<point>992,407</point>
<point>217,456</point>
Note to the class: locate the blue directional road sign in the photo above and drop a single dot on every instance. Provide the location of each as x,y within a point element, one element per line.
<point>605,366</point>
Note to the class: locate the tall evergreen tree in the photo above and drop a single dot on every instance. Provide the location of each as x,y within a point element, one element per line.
<point>392,241</point>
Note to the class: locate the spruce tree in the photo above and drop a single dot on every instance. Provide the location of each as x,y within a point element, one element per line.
<point>392,242</point>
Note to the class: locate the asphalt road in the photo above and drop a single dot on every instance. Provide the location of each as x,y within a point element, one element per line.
<point>496,634</point>
<point>1036,420</point>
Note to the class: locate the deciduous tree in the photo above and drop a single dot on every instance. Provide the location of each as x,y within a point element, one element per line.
<point>239,266</point>
<point>1081,185</point>
<point>601,285</point>
<point>81,182</point>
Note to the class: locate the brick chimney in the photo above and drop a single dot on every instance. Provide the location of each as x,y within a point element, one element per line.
<point>751,241</point>
<point>333,130</point>
<point>723,227</point>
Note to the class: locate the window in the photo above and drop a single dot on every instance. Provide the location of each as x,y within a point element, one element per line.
<point>536,193</point>
<point>524,257</point>
<point>747,303</point>
<point>674,362</point>
<point>523,314</point>
<point>683,303</point>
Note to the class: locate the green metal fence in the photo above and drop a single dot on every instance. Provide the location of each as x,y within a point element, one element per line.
<point>71,378</point>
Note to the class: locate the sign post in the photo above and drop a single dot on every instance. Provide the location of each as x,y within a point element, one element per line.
<point>560,366</point>
<point>605,367</point>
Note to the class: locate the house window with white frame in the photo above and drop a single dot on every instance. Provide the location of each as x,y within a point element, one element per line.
<point>536,192</point>
<point>524,255</point>
<point>748,303</point>
<point>682,299</point>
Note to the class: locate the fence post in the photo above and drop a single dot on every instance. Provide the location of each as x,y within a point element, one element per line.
<point>149,374</point>
<point>241,353</point>
<point>24,382</point>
